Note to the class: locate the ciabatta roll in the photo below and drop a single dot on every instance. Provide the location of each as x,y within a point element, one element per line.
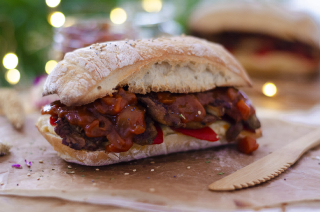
<point>126,100</point>
<point>266,38</point>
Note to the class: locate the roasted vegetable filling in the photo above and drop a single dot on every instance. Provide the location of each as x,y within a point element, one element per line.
<point>115,122</point>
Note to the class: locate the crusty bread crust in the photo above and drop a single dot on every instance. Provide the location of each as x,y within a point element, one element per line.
<point>178,64</point>
<point>256,17</point>
<point>172,143</point>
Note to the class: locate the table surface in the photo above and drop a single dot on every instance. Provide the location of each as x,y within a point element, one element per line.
<point>293,95</point>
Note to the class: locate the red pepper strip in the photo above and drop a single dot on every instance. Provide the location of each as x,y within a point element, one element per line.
<point>263,51</point>
<point>247,145</point>
<point>205,133</point>
<point>53,120</point>
<point>159,138</point>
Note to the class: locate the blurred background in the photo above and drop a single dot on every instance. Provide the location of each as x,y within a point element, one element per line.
<point>35,35</point>
<point>37,32</point>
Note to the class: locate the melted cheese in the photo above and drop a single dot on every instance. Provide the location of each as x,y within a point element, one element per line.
<point>44,123</point>
<point>219,127</point>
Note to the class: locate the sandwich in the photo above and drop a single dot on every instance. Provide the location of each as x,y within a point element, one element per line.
<point>267,39</point>
<point>132,99</point>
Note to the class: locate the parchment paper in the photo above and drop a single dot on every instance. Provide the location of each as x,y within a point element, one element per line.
<point>40,204</point>
<point>172,186</point>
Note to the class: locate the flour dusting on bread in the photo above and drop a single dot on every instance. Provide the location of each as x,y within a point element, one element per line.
<point>93,72</point>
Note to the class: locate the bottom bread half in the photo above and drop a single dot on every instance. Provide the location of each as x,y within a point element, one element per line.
<point>172,143</point>
<point>277,63</point>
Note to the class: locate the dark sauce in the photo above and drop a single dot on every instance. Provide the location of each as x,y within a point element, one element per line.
<point>117,117</point>
<point>186,105</point>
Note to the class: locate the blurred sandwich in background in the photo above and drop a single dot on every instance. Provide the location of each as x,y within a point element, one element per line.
<point>267,39</point>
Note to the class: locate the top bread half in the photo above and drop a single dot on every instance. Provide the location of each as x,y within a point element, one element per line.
<point>178,64</point>
<point>256,17</point>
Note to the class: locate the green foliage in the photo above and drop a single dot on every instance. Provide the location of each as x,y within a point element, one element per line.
<point>24,29</point>
<point>183,17</point>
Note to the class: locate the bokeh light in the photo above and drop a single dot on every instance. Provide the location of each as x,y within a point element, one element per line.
<point>152,6</point>
<point>118,16</point>
<point>269,89</point>
<point>12,76</point>
<point>10,61</point>
<point>52,3</point>
<point>57,19</point>
<point>50,65</point>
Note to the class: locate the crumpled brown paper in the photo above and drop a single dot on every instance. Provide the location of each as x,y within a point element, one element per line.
<point>173,182</point>
<point>40,204</point>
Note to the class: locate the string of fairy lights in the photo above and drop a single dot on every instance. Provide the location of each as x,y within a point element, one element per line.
<point>117,16</point>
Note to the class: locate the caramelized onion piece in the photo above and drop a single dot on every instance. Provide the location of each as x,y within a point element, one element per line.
<point>217,111</point>
<point>116,117</point>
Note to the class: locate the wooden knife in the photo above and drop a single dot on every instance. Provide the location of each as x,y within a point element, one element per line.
<point>269,166</point>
